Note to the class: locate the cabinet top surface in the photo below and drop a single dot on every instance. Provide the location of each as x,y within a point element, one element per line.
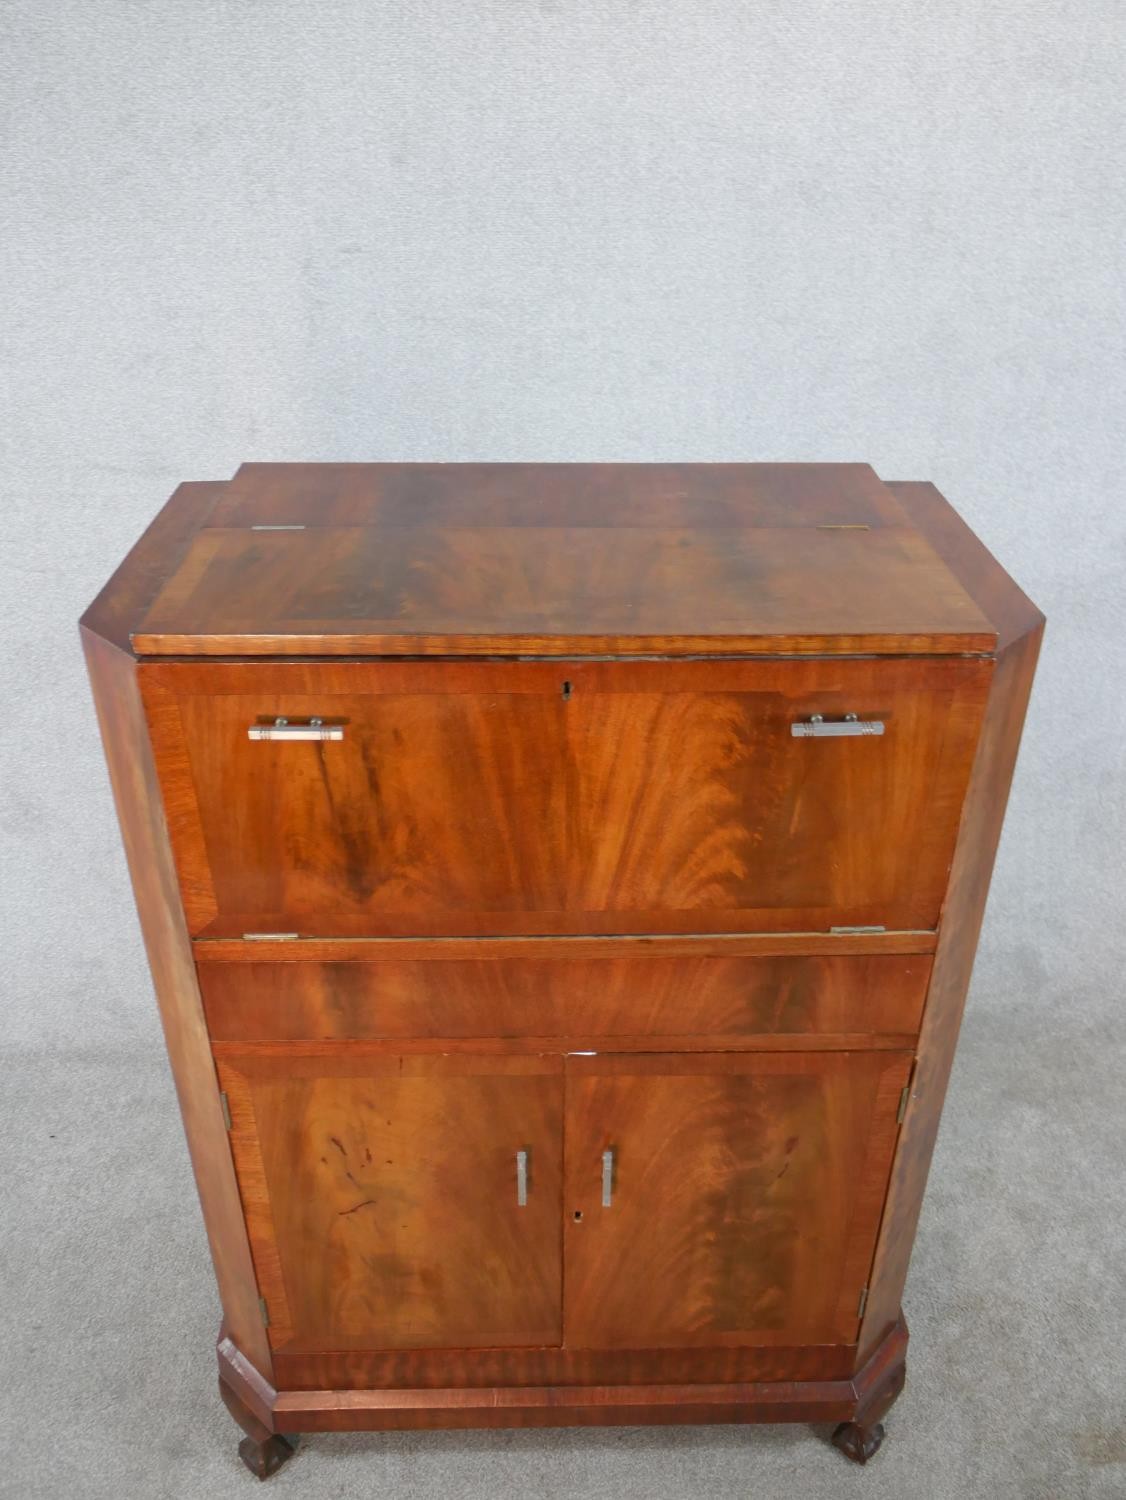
<point>550,559</point>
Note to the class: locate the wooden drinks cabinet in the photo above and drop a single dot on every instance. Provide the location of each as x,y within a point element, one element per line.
<point>561,885</point>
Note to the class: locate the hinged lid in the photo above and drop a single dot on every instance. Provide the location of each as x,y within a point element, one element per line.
<point>557,560</point>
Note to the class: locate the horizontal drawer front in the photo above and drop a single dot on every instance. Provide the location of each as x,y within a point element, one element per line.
<point>536,798</point>
<point>567,998</point>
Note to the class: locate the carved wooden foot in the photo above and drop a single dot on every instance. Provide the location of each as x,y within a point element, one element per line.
<point>857,1442</point>
<point>262,1451</point>
<point>860,1439</point>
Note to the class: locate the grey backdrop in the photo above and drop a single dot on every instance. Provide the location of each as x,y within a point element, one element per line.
<point>791,229</point>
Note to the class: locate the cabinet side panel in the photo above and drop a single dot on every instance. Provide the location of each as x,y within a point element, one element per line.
<point>137,798</point>
<point>954,957</point>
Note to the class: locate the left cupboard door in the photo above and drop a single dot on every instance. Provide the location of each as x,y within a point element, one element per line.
<point>398,1200</point>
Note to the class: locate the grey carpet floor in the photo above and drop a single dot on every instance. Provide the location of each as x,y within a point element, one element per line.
<point>1017,1300</point>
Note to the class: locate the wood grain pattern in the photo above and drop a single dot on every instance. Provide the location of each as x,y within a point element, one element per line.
<point>725,945</point>
<point>624,559</point>
<point>1008,608</point>
<point>608,1404</point>
<point>579,998</point>
<point>629,591</point>
<point>746,1195</point>
<point>113,678</point>
<point>886,1376</point>
<point>482,799</point>
<point>660,496</point>
<point>1021,625</point>
<point>569,818</point>
<point>262,1451</point>
<point>381,1195</point>
<point>427,1369</point>
<point>129,592</point>
<point>568,1406</point>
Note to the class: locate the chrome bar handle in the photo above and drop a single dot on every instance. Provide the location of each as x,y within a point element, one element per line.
<point>282,729</point>
<point>607,1178</point>
<point>521,1179</point>
<point>816,728</point>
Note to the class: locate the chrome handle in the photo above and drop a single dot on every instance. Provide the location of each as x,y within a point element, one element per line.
<point>607,1178</point>
<point>521,1179</point>
<point>282,729</point>
<point>816,728</point>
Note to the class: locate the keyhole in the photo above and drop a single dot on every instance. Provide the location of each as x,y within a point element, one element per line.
<point>566,691</point>
<point>578,1215</point>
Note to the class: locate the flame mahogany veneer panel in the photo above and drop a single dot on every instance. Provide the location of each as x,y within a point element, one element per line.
<point>381,1195</point>
<point>517,798</point>
<point>639,997</point>
<point>745,1194</point>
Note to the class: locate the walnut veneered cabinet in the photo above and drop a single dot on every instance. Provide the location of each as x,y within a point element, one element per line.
<point>561,885</point>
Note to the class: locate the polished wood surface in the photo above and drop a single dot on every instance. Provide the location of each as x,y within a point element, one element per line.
<point>745,1199</point>
<point>381,1195</point>
<point>567,884</point>
<point>262,1451</point>
<point>506,798</point>
<point>533,494</point>
<point>419,1369</point>
<point>575,998</point>
<point>857,944</point>
<point>1021,625</point>
<point>113,678</point>
<point>656,1399</point>
<point>862,1437</point>
<point>120,605</point>
<point>629,591</point>
<point>557,560</point>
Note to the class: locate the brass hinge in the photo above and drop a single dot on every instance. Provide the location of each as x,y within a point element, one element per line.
<point>265,1311</point>
<point>225,1106</point>
<point>863,1302</point>
<point>269,937</point>
<point>277,528</point>
<point>844,931</point>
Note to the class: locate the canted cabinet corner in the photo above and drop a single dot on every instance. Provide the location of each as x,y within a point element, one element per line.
<point>561,884</point>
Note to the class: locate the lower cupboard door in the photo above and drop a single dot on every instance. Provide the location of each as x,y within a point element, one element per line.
<point>726,1198</point>
<point>399,1201</point>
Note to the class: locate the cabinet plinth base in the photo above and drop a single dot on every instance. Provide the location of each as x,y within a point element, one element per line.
<point>856,1404</point>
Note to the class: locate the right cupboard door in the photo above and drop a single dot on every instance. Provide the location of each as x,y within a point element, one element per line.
<point>724,1198</point>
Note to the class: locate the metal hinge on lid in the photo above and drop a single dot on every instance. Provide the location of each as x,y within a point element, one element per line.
<point>269,937</point>
<point>265,1311</point>
<point>844,931</point>
<point>277,528</point>
<point>225,1106</point>
<point>863,1302</point>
